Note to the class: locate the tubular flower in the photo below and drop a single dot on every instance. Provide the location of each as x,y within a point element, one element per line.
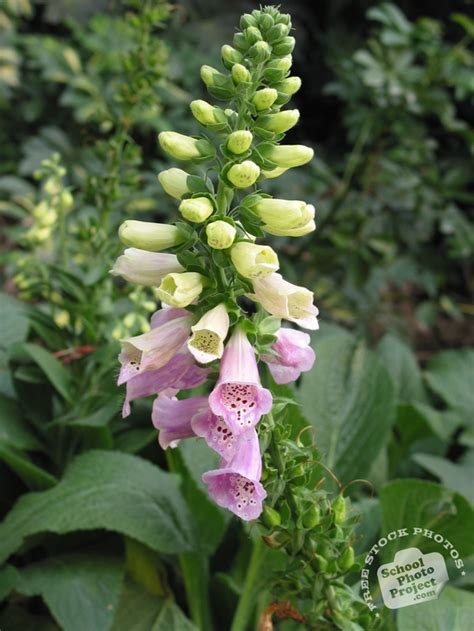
<point>146,235</point>
<point>179,373</point>
<point>154,349</point>
<point>179,290</point>
<point>254,261</point>
<point>238,396</point>
<point>293,355</point>
<point>282,214</point>
<point>286,156</point>
<point>145,268</point>
<point>280,122</point>
<point>173,418</point>
<point>217,434</point>
<point>207,341</point>
<point>236,484</point>
<point>284,300</point>
<point>184,147</point>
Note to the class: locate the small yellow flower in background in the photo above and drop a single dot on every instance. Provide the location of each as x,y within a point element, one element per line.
<point>62,319</point>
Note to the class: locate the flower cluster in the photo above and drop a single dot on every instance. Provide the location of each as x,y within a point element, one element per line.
<point>223,299</point>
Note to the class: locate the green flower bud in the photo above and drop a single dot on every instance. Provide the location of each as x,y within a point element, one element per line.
<point>66,200</point>
<point>285,46</point>
<point>280,122</point>
<point>240,74</point>
<point>289,86</point>
<point>265,21</point>
<point>260,51</point>
<point>239,141</point>
<point>244,174</point>
<point>247,20</point>
<point>322,563</point>
<point>196,209</point>
<point>287,156</point>
<point>339,509</point>
<point>230,56</point>
<point>254,261</point>
<point>346,560</point>
<point>220,234</point>
<point>174,182</point>
<point>277,540</point>
<point>240,42</point>
<point>311,517</point>
<point>277,32</point>
<point>206,114</point>
<point>146,235</point>
<point>180,289</point>
<point>264,99</point>
<point>252,35</point>
<point>184,147</point>
<point>213,78</point>
<point>284,18</point>
<point>271,517</point>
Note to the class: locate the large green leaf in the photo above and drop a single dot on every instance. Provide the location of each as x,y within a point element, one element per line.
<point>450,375</point>
<point>52,368</point>
<point>14,431</point>
<point>401,363</point>
<point>102,489</point>
<point>81,590</point>
<point>452,611</point>
<point>139,610</point>
<point>420,504</point>
<point>457,477</point>
<point>349,397</point>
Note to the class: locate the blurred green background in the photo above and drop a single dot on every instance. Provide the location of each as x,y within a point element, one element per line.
<point>387,103</point>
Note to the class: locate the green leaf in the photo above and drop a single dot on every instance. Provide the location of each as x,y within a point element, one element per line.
<point>457,477</point>
<point>350,400</point>
<point>102,489</point>
<point>420,504</point>
<point>401,363</point>
<point>52,368</point>
<point>9,577</point>
<point>14,431</point>
<point>452,611</point>
<point>35,478</point>
<point>14,321</point>
<point>81,590</point>
<point>449,374</point>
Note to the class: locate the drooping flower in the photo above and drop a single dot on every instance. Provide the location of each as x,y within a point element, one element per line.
<point>145,268</point>
<point>254,261</point>
<point>181,289</point>
<point>236,484</point>
<point>285,300</point>
<point>238,395</point>
<point>180,373</point>
<point>217,434</point>
<point>294,355</point>
<point>173,418</point>
<point>207,340</point>
<point>154,349</point>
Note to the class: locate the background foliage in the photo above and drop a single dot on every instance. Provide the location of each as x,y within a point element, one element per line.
<point>92,511</point>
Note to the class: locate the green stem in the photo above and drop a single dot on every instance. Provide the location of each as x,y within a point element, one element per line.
<point>195,571</point>
<point>248,596</point>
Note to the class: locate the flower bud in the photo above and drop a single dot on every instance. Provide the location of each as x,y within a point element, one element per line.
<point>244,174</point>
<point>239,141</point>
<point>311,517</point>
<point>339,509</point>
<point>230,56</point>
<point>207,341</point>
<point>174,182</point>
<point>196,209</point>
<point>287,156</point>
<point>346,560</point>
<point>264,99</point>
<point>184,147</point>
<point>254,261</point>
<point>285,46</point>
<point>265,21</point>
<point>271,517</point>
<point>220,234</point>
<point>247,20</point>
<point>146,235</point>
<point>260,51</point>
<point>66,200</point>
<point>252,35</point>
<point>277,32</point>
<point>240,42</point>
<point>205,113</point>
<point>283,213</point>
<point>212,77</point>
<point>240,74</point>
<point>276,172</point>
<point>145,268</point>
<point>289,86</point>
<point>179,290</point>
<point>280,122</point>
